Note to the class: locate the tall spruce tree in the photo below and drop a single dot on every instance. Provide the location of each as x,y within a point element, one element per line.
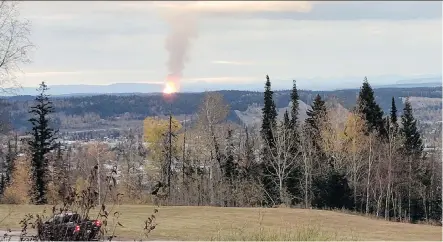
<point>295,106</point>
<point>316,114</point>
<point>269,114</point>
<point>412,142</point>
<point>393,117</point>
<point>412,148</point>
<point>316,117</point>
<point>41,143</point>
<point>293,180</point>
<point>268,125</point>
<point>330,186</point>
<point>370,109</point>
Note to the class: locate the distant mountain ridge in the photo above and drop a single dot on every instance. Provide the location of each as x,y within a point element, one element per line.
<point>149,88</point>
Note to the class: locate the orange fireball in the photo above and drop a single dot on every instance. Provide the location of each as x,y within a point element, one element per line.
<point>171,84</point>
<point>170,88</point>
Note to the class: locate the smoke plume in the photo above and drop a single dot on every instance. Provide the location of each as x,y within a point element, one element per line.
<point>182,30</point>
<point>182,18</point>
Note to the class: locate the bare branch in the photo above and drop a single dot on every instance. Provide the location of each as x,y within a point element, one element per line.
<point>15,44</point>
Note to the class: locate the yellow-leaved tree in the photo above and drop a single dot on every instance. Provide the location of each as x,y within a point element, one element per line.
<point>155,134</point>
<point>356,143</point>
<point>17,192</point>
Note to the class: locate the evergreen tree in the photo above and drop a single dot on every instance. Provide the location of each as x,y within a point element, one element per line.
<point>412,142</point>
<point>412,148</point>
<point>268,125</point>
<point>393,117</point>
<point>269,114</point>
<point>295,106</point>
<point>332,191</point>
<point>2,184</point>
<point>393,125</point>
<point>293,180</point>
<point>41,143</point>
<point>316,114</point>
<point>230,166</point>
<point>316,117</point>
<point>370,109</point>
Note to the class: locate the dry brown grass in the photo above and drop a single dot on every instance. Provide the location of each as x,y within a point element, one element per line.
<point>213,223</point>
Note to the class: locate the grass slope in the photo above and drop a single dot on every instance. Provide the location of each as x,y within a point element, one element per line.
<point>214,223</point>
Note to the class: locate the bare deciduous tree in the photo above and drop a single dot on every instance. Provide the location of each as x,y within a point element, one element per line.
<point>282,161</point>
<point>101,154</point>
<point>213,111</point>
<point>15,44</point>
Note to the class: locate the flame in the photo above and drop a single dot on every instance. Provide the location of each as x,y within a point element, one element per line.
<point>170,88</point>
<point>171,84</point>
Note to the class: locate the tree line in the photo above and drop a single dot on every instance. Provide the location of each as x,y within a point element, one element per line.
<point>370,163</point>
<point>88,111</point>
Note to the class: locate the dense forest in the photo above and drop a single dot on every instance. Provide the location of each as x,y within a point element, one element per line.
<point>139,106</point>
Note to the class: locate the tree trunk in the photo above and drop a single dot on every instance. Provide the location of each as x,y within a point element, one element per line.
<point>424,205</point>
<point>280,189</point>
<point>409,189</point>
<point>388,188</point>
<point>400,205</point>
<point>394,206</point>
<point>369,175</point>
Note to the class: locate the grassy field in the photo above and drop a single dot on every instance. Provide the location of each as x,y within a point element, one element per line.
<point>213,223</point>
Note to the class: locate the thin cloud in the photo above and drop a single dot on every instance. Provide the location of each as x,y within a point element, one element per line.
<point>224,79</point>
<point>228,7</point>
<point>50,73</point>
<point>65,73</point>
<point>237,63</point>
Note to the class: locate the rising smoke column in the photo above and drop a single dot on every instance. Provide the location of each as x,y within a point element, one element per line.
<point>182,29</point>
<point>182,20</point>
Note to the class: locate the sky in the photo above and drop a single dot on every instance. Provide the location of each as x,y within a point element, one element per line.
<point>231,43</point>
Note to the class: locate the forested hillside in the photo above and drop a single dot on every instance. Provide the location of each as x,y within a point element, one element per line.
<point>101,111</point>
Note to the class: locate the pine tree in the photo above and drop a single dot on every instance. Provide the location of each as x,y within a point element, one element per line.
<point>269,114</point>
<point>413,145</point>
<point>41,143</point>
<point>295,106</point>
<point>316,117</point>
<point>393,112</point>
<point>393,125</point>
<point>412,148</point>
<point>293,180</point>
<point>268,125</point>
<point>370,109</point>
<point>316,114</point>
<point>332,191</point>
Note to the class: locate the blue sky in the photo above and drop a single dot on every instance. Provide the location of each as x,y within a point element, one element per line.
<point>124,42</point>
